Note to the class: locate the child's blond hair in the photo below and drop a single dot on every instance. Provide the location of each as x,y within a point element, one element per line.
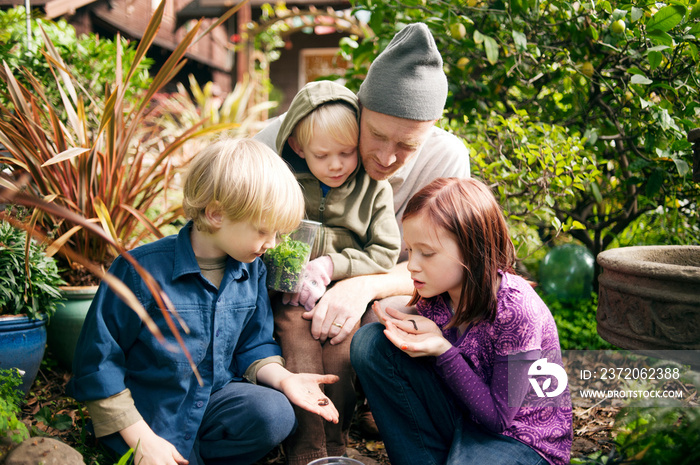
<point>247,181</point>
<point>336,118</point>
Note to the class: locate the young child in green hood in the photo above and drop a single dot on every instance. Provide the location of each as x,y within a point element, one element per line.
<point>359,234</point>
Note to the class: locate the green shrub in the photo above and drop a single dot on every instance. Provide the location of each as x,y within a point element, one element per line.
<point>89,56</point>
<point>10,399</point>
<point>652,436</point>
<point>576,323</point>
<point>656,436</point>
<point>666,227</point>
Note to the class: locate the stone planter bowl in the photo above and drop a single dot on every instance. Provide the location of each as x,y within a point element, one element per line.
<point>649,298</point>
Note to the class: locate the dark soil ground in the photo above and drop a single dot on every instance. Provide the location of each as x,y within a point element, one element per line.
<point>48,411</point>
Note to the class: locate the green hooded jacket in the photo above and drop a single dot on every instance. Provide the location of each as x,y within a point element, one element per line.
<point>358,227</point>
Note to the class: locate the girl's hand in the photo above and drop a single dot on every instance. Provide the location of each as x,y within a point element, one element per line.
<point>416,335</point>
<point>410,323</point>
<point>303,389</point>
<point>149,448</point>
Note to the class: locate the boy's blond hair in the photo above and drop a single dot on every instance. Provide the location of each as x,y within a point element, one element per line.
<point>336,118</point>
<point>247,181</point>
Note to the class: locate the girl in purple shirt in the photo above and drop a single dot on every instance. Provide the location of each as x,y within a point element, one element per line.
<point>476,376</point>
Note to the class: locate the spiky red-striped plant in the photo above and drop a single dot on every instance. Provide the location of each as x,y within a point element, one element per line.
<point>91,159</point>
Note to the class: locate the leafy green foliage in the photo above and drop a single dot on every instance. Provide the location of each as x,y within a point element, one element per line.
<point>268,38</point>
<point>652,436</point>
<point>285,264</point>
<point>652,228</point>
<point>576,323</point>
<point>542,169</point>
<point>594,119</point>
<point>10,400</point>
<point>657,436</point>
<point>29,282</point>
<point>90,57</point>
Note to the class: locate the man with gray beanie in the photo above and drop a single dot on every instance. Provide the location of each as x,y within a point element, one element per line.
<point>401,99</point>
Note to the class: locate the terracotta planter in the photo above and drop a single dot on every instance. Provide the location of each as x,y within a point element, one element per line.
<point>22,345</point>
<point>65,325</point>
<point>649,297</point>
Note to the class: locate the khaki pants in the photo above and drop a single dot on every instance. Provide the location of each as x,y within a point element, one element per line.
<point>314,436</point>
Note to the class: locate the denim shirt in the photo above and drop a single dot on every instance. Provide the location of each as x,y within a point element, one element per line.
<point>229,328</point>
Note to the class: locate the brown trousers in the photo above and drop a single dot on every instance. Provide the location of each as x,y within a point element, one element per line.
<point>314,436</point>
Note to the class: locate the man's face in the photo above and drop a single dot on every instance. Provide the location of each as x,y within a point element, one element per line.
<point>387,142</point>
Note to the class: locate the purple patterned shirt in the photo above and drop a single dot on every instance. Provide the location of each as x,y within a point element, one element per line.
<point>487,369</point>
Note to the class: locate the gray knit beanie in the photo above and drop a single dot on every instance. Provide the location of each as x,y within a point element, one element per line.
<point>407,80</point>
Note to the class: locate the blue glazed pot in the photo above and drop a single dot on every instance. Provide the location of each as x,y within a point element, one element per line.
<point>22,345</point>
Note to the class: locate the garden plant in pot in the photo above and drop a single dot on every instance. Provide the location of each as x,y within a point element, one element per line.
<point>29,293</point>
<point>96,156</point>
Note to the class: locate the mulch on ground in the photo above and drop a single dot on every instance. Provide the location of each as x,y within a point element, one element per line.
<point>48,411</point>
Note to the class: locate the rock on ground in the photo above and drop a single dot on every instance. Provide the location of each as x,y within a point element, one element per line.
<point>46,451</point>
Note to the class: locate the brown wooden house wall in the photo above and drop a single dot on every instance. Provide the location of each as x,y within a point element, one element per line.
<point>209,59</point>
<point>131,18</point>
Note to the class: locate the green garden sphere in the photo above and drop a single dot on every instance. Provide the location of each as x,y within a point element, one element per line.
<point>567,272</point>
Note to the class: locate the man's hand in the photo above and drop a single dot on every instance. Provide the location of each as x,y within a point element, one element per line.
<point>149,448</point>
<point>339,310</point>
